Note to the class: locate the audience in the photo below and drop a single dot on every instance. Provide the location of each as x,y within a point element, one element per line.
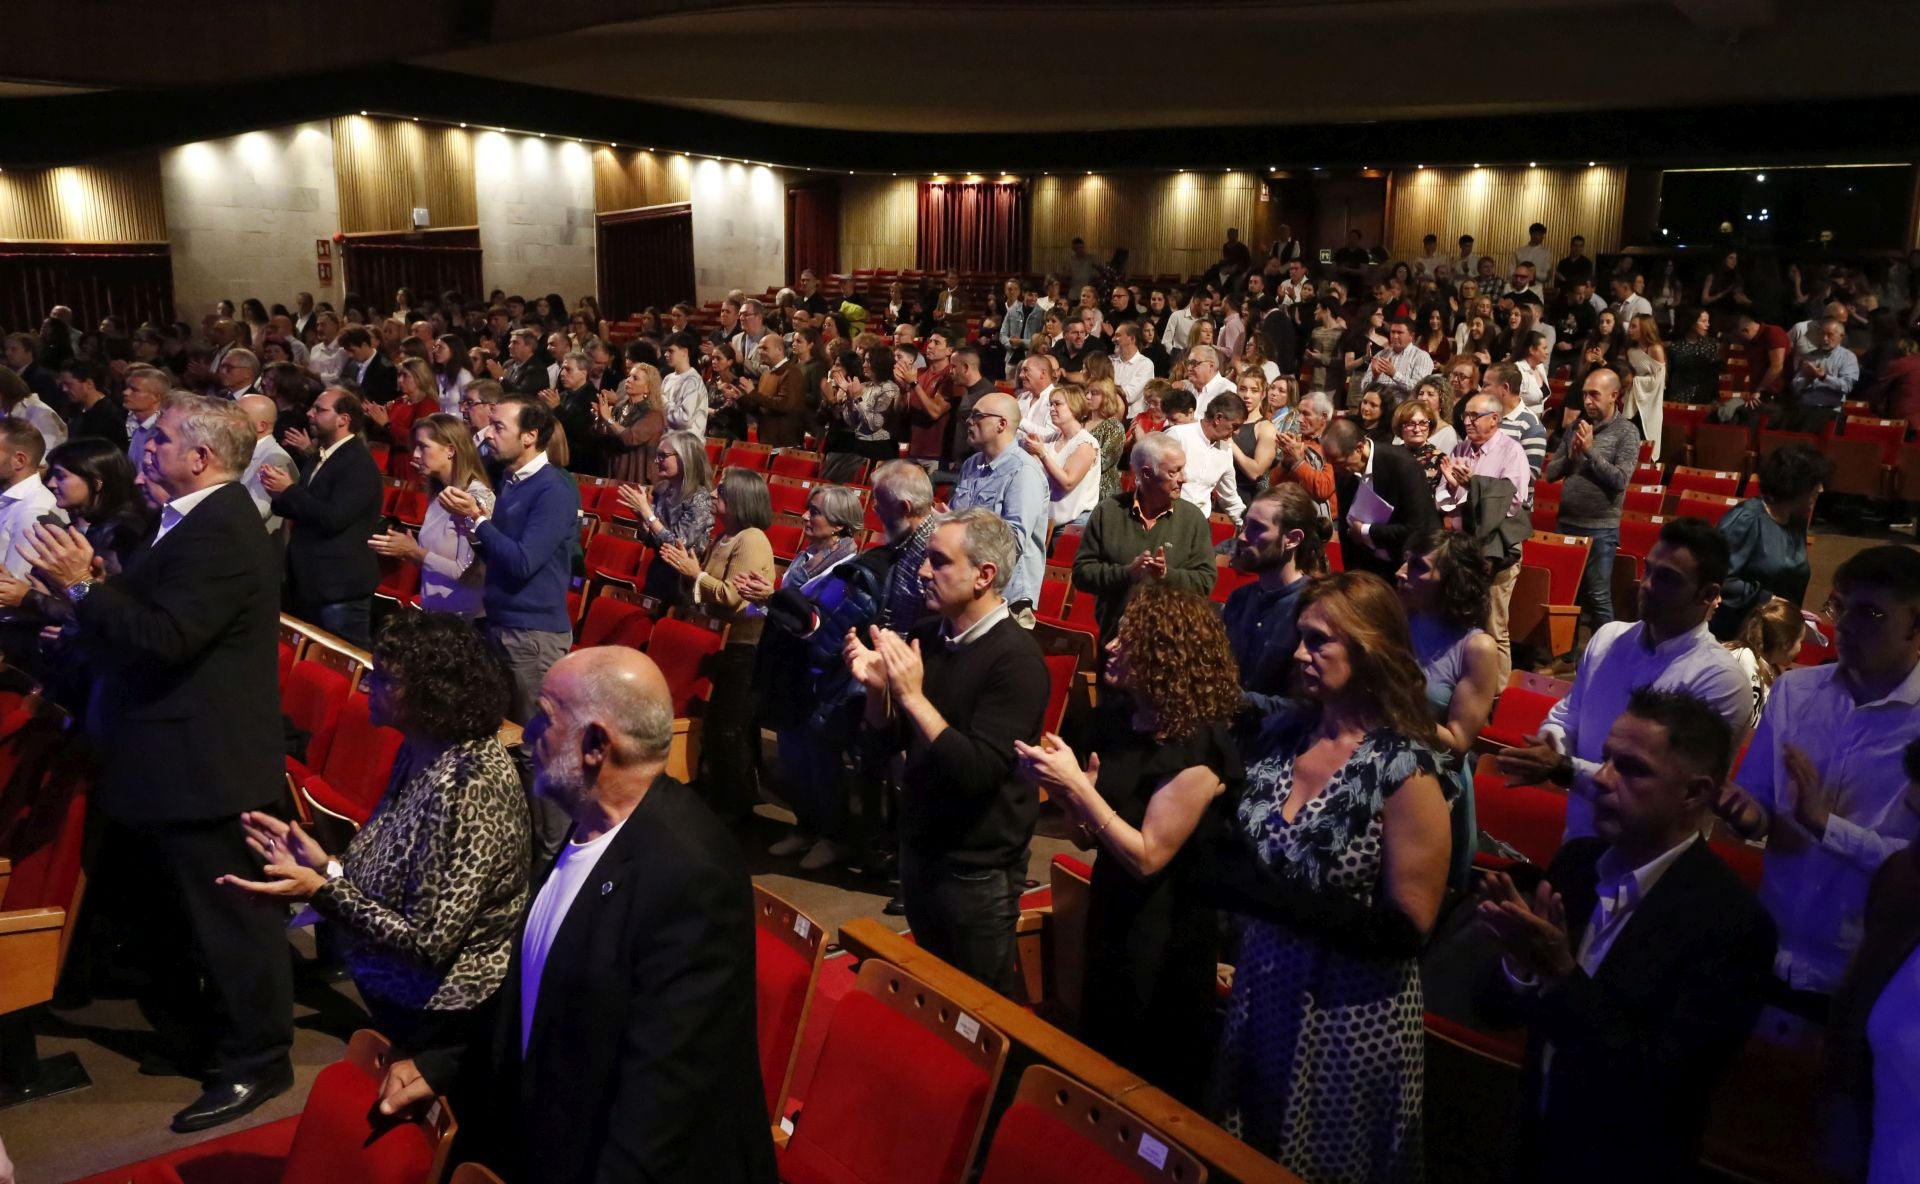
<point>264,415</point>
<point>1071,461</point>
<point>955,695</point>
<point>1208,443</point>
<point>1638,961</point>
<point>1594,464</point>
<point>1767,537</point>
<point>621,1043</point>
<point>1443,586</point>
<point>1667,649</point>
<point>1282,542</point>
<point>428,895</point>
<point>676,509</point>
<point>1487,466</point>
<point>333,505</point>
<point>1160,754</point>
<point>1384,498</point>
<point>24,497</point>
<point>452,577</point>
<point>1337,850</point>
<point>1004,479</point>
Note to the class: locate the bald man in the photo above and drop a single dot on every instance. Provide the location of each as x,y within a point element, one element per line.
<point>622,1044</point>
<point>261,414</point>
<point>1010,482</point>
<point>1594,463</point>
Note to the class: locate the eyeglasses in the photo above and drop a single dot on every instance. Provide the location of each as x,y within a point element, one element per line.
<point>1482,414</point>
<point>1868,614</point>
<point>1422,424</point>
<point>978,416</point>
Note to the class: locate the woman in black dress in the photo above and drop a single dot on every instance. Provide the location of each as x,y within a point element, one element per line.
<point>1161,755</point>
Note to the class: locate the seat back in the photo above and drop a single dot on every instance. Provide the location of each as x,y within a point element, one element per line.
<point>795,463</point>
<point>1060,672</point>
<point>616,617</point>
<point>901,1089</point>
<point>44,780</point>
<point>360,759</point>
<point>1726,484</point>
<point>1890,434</point>
<point>1521,708</point>
<point>1638,533</point>
<point>1563,557</point>
<point>681,651</point>
<point>335,1141</point>
<point>1645,499</point>
<point>1710,506</point>
<point>1055,587</point>
<point>311,697</point>
<point>788,949</point>
<point>786,539</point>
<point>1072,883</point>
<point>611,557</point>
<point>1720,446</point>
<point>1066,544</point>
<point>789,496</point>
<point>1528,818</point>
<point>1060,1132</point>
<point>1857,465</point>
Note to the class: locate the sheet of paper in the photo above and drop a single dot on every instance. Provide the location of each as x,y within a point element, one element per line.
<point>1369,507</point>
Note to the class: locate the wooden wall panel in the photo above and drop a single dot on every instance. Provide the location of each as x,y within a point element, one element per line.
<point>1496,205</point>
<point>1170,222</point>
<point>877,217</point>
<point>385,168</point>
<point>111,202</point>
<point>629,179</point>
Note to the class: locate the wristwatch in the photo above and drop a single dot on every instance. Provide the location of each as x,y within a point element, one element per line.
<point>77,592</point>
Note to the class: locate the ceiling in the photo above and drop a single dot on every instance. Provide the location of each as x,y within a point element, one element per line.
<point>1112,83</point>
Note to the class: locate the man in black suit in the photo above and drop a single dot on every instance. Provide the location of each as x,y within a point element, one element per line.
<point>1639,963</point>
<point>1393,476</point>
<point>369,370</point>
<point>525,374</point>
<point>622,1043</point>
<point>185,707</point>
<point>333,506</point>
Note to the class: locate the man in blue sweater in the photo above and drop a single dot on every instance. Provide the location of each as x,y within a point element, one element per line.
<point>526,540</point>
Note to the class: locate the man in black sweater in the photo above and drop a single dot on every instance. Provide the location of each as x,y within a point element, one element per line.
<point>955,695</point>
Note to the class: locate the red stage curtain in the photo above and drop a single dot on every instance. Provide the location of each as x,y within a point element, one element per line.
<point>813,230</point>
<point>973,226</point>
<point>646,259</point>
<point>425,262</point>
<point>132,281</point>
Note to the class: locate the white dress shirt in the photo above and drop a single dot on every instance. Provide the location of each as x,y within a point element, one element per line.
<point>1893,1032</point>
<point>180,507</point>
<point>1035,420</point>
<point>20,506</point>
<point>1635,305</point>
<point>1209,470</point>
<point>1427,264</point>
<point>1219,385</point>
<point>266,452</point>
<point>1618,660</point>
<point>51,427</point>
<point>1541,257</point>
<point>1179,328</point>
<point>1817,890</point>
<point>1131,376</point>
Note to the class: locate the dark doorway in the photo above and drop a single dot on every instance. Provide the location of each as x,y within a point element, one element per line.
<point>646,259</point>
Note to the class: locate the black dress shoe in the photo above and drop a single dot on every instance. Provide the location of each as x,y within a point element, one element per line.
<point>895,907</point>
<point>225,1101</point>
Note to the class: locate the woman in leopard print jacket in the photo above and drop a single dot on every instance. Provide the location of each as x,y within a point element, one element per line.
<point>429,893</point>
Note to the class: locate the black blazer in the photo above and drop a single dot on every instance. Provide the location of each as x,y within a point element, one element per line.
<point>333,513</point>
<point>1638,1047</point>
<point>382,382</point>
<point>1399,480</point>
<point>185,705</point>
<point>643,1063</point>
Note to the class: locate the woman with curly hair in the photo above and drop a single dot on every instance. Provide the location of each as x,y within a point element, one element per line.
<point>1161,754</point>
<point>1445,587</point>
<point>428,895</point>
<point>1336,851</point>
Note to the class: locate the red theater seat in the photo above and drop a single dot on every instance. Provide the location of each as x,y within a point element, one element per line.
<point>1528,818</point>
<point>788,949</point>
<point>1060,1132</point>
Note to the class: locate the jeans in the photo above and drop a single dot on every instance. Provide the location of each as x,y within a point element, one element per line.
<point>964,915</point>
<point>526,655</point>
<point>349,620</point>
<point>1596,582</point>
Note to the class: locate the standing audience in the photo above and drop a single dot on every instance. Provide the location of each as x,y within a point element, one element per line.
<point>333,506</point>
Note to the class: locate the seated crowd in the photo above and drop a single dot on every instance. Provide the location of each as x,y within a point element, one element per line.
<point>1280,777</point>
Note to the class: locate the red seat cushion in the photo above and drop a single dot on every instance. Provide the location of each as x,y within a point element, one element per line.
<point>890,1103</point>
<point>1528,818</point>
<point>334,1141</point>
<point>1031,1146</point>
<point>255,1155</point>
<point>1517,714</point>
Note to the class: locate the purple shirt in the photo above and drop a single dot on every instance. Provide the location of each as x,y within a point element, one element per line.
<point>1501,456</point>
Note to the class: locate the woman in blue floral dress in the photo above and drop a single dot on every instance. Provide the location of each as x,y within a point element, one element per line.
<point>1336,850</point>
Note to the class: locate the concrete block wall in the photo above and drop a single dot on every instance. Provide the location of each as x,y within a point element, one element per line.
<point>739,228</point>
<point>535,200</point>
<point>243,214</point>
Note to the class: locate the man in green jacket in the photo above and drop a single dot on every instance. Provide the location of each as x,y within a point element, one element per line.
<point>1149,533</point>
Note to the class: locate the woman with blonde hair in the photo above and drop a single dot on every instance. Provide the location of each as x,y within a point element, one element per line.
<point>1283,393</point>
<point>678,508</point>
<point>419,396</point>
<point>1256,440</point>
<point>452,576</point>
<point>1647,356</point>
<point>1200,334</point>
<point>1336,850</point>
<point>1072,461</point>
<point>1106,422</point>
<point>628,421</point>
<point>1161,752</point>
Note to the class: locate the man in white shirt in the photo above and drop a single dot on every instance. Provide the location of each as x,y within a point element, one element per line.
<point>1036,386</point>
<point>1180,323</point>
<point>1628,303</point>
<point>1668,648</point>
<point>20,401</point>
<point>683,391</point>
<point>25,497</point>
<point>1465,263</point>
<point>326,358</point>
<point>1208,443</point>
<point>1430,260</point>
<point>1132,370</point>
<point>145,392</point>
<point>1824,778</point>
<point>1536,253</point>
<point>261,414</point>
<point>1203,375</point>
<point>1397,369</point>
<point>1292,290</point>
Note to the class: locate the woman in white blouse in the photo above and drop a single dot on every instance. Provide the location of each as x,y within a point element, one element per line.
<point>1647,355</point>
<point>451,575</point>
<point>449,375</point>
<point>1072,460</point>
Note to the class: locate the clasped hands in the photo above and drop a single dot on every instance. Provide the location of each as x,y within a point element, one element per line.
<point>891,664</point>
<point>1532,934</point>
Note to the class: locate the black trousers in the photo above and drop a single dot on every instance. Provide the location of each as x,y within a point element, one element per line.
<point>237,943</point>
<point>965,916</point>
<point>730,745</point>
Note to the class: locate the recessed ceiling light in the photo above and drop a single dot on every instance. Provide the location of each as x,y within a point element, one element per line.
<point>1533,164</point>
<point>1760,177</point>
<point>1476,164</point>
<point>463,125</point>
<point>1089,172</point>
<point>1419,166</point>
<point>1592,163</point>
<point>363,113</point>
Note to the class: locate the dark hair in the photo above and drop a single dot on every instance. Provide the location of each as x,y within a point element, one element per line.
<point>1225,404</point>
<point>687,341</point>
<point>879,360</point>
<point>1298,511</point>
<point>1465,586</point>
<point>105,468</point>
<point>450,687</point>
<point>1179,400</point>
<point>1695,731</point>
<point>347,403</point>
<point>86,370</point>
<point>748,504</point>
<point>1705,542</point>
<point>1793,472</point>
<point>1891,567</point>
<point>533,416</point>
<point>1536,228</point>
<point>354,336</point>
